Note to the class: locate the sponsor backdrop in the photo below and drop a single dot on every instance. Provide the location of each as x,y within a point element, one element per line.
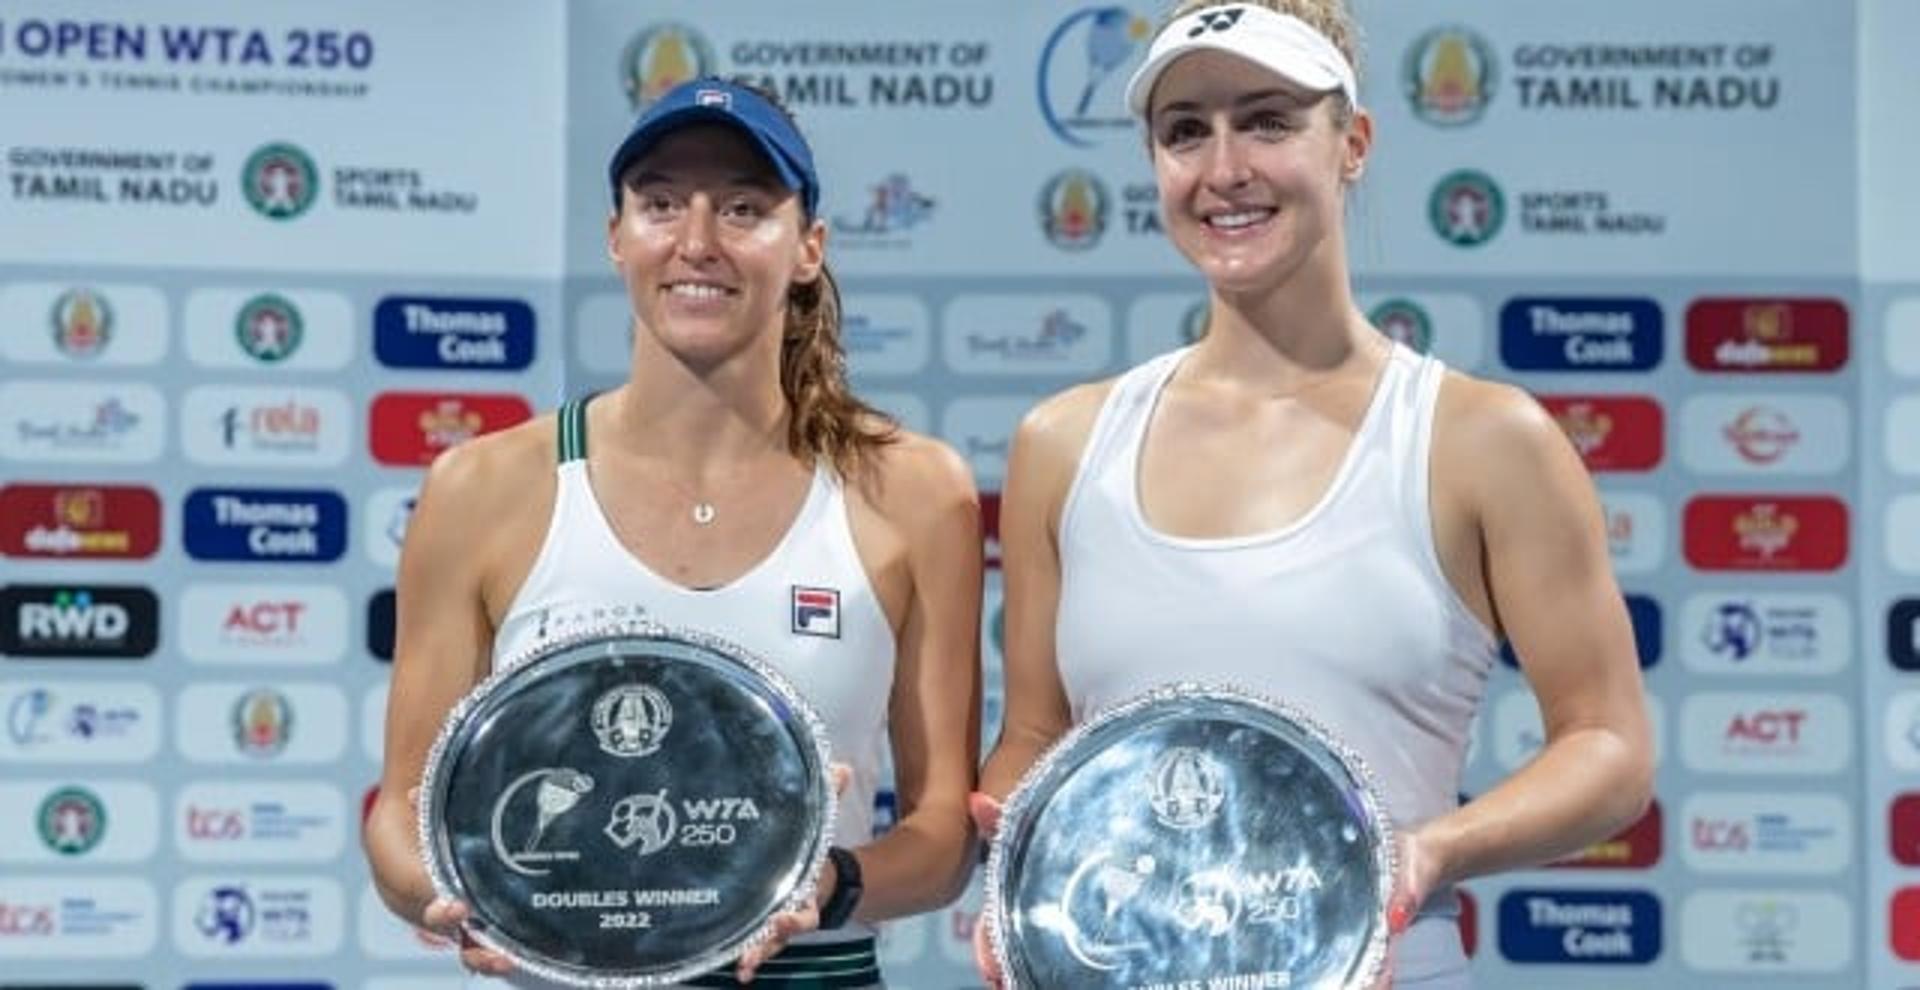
<point>262,262</point>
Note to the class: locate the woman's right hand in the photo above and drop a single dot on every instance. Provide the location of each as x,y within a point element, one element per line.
<point>446,918</point>
<point>986,820</point>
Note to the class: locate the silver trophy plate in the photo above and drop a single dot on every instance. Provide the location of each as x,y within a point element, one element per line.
<point>1193,837</point>
<point>627,807</point>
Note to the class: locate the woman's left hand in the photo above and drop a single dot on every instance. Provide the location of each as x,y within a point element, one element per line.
<point>802,919</point>
<point>1417,872</point>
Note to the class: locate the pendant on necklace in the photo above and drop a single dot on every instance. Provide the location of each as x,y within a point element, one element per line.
<point>703,512</point>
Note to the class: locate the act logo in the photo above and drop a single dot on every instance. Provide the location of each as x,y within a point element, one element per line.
<point>660,58</point>
<point>268,328</point>
<point>82,323</point>
<point>280,181</point>
<point>1449,74</point>
<point>1074,210</point>
<point>1467,208</point>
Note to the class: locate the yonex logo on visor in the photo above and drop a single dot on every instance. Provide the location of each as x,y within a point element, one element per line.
<point>1280,43</point>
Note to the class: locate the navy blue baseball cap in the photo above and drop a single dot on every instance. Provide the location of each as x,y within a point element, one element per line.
<point>717,101</point>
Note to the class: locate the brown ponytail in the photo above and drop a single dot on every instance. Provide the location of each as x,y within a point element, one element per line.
<point>824,418</point>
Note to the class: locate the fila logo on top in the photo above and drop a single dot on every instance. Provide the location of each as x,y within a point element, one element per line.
<point>1216,20</point>
<point>816,612</point>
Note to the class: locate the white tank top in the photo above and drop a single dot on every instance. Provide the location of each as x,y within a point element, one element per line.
<point>1345,613</point>
<point>807,609</point>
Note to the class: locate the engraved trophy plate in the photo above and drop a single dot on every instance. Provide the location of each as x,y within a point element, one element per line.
<point>1193,837</point>
<point>627,807</point>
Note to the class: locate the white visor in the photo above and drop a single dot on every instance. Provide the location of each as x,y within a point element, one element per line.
<point>1281,43</point>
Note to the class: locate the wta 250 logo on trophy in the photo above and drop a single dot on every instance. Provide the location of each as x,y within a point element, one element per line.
<point>662,57</point>
<point>280,181</point>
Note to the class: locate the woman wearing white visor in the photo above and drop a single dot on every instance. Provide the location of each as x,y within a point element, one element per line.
<point>1300,506</point>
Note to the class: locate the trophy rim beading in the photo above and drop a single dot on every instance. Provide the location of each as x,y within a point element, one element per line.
<point>524,664</point>
<point>1020,804</point>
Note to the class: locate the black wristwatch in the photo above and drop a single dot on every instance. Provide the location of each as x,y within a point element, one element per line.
<point>847,889</point>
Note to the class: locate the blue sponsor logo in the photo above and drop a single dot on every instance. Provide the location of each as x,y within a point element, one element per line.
<point>265,524</point>
<point>469,334</point>
<point>1648,631</point>
<point>1587,927</point>
<point>1542,334</point>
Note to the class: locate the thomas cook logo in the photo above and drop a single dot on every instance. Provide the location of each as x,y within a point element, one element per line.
<point>82,323</point>
<point>268,328</point>
<point>1466,208</point>
<point>280,181</point>
<point>1404,321</point>
<point>1449,75</point>
<point>660,58</point>
<point>1074,209</point>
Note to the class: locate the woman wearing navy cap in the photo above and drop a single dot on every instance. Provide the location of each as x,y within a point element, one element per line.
<point>1299,506</point>
<point>732,471</point>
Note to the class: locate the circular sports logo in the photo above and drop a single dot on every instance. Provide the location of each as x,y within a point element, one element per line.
<point>632,720</point>
<point>1082,68</point>
<point>1466,208</point>
<point>660,58</point>
<point>1188,788</point>
<point>1449,76</point>
<point>280,181</point>
<point>268,328</point>
<point>82,323</point>
<point>1405,321</point>
<point>1074,209</point>
<point>71,821</point>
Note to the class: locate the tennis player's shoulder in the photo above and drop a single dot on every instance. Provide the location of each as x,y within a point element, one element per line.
<point>490,474</point>
<point>918,476</point>
<point>1055,431</point>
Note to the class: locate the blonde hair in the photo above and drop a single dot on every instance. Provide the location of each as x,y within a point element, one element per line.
<point>1329,17</point>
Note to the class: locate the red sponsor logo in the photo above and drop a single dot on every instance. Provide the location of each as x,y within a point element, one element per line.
<point>1903,829</point>
<point>1767,335</point>
<point>410,429</point>
<point>990,525</point>
<point>215,824</point>
<point>79,521</point>
<point>1611,432</point>
<point>25,919</point>
<point>1719,834</point>
<point>263,620</point>
<point>1761,435</point>
<point>367,802</point>
<point>1635,847</point>
<point>1903,916</point>
<point>1469,923</point>
<point>1770,729</point>
<point>1766,533</point>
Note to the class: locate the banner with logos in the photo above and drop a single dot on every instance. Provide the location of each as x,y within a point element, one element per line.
<point>260,264</point>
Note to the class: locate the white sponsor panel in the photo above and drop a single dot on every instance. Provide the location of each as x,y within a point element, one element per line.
<point>82,422</point>
<point>1771,434</point>
<point>981,430</point>
<point>384,524</point>
<point>1903,433</point>
<point>1792,633</point>
<point>1636,531</point>
<point>76,916</point>
<point>270,329</point>
<point>384,936</point>
<point>1766,931</point>
<point>262,722</point>
<point>1903,534</point>
<point>1772,732</point>
<point>79,722</point>
<point>1903,730</point>
<point>1766,832</point>
<point>256,917</point>
<point>603,328</point>
<point>908,408</point>
<point>1519,733</point>
<point>254,426</point>
<point>1054,334</point>
<point>264,822</point>
<point>1452,325</point>
<point>373,722</point>
<point>84,323</point>
<point>69,822</point>
<point>886,334</point>
<point>1162,321</point>
<point>279,624</point>
<point>1903,337</point>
